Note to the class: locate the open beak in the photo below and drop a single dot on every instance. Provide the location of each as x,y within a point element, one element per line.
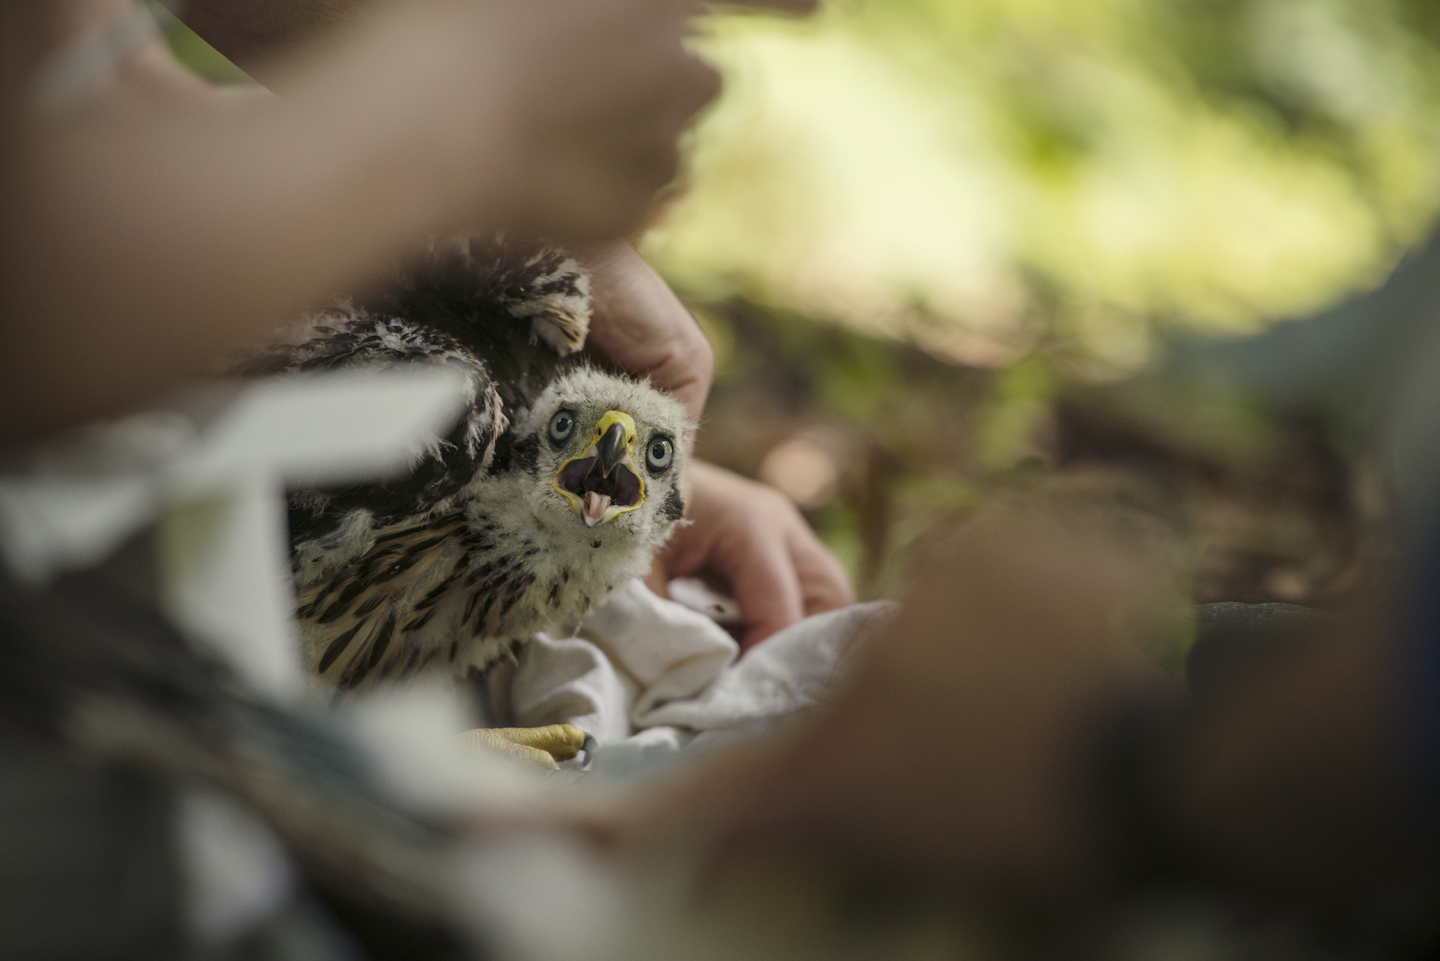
<point>612,447</point>
<point>602,483</point>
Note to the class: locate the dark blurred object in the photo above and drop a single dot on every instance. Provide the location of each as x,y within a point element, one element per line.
<point>88,860</point>
<point>1273,510</point>
<point>1232,640</point>
<point>255,32</point>
<point>89,669</point>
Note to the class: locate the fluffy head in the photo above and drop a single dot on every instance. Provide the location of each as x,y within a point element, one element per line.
<point>607,454</point>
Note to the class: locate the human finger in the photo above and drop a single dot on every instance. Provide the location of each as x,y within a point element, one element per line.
<point>762,574</point>
<point>824,583</point>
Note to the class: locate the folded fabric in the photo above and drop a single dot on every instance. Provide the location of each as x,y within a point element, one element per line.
<point>654,673</point>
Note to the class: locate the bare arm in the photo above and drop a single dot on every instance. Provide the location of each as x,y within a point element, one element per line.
<point>254,34</point>
<point>156,235</point>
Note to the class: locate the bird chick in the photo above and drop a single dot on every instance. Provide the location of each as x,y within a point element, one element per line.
<point>559,484</point>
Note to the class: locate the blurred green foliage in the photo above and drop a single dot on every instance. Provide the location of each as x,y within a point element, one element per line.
<point>973,175</point>
<point>1033,194</point>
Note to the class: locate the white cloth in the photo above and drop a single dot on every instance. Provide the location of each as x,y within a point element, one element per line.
<point>646,675</point>
<point>215,496</point>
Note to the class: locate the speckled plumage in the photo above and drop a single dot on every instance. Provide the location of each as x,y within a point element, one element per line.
<point>484,542</point>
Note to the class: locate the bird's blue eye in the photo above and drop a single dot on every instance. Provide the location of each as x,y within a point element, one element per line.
<point>659,455</point>
<point>562,425</point>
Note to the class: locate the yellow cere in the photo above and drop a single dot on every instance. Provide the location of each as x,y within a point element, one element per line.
<point>618,417</point>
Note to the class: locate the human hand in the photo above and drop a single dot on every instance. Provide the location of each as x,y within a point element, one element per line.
<point>553,118</point>
<point>640,325</point>
<point>747,533</point>
<point>610,88</point>
<point>752,536</point>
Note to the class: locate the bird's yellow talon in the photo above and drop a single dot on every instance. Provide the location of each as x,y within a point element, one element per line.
<point>540,746</point>
<point>562,741</point>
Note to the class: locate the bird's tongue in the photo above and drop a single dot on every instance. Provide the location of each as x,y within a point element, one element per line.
<point>595,505</point>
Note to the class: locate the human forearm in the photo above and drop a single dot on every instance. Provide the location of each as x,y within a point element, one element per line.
<point>150,246</point>
<point>254,34</point>
<point>162,231</point>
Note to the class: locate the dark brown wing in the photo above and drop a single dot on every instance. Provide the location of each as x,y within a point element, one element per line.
<point>508,314</point>
<point>523,308</point>
<point>350,337</point>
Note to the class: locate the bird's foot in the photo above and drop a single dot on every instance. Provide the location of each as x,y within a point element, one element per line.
<point>540,746</point>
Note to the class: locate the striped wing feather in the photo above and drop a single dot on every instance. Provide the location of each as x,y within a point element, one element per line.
<point>524,308</point>
<point>351,338</point>
<point>425,593</point>
<point>390,578</point>
<point>510,315</point>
